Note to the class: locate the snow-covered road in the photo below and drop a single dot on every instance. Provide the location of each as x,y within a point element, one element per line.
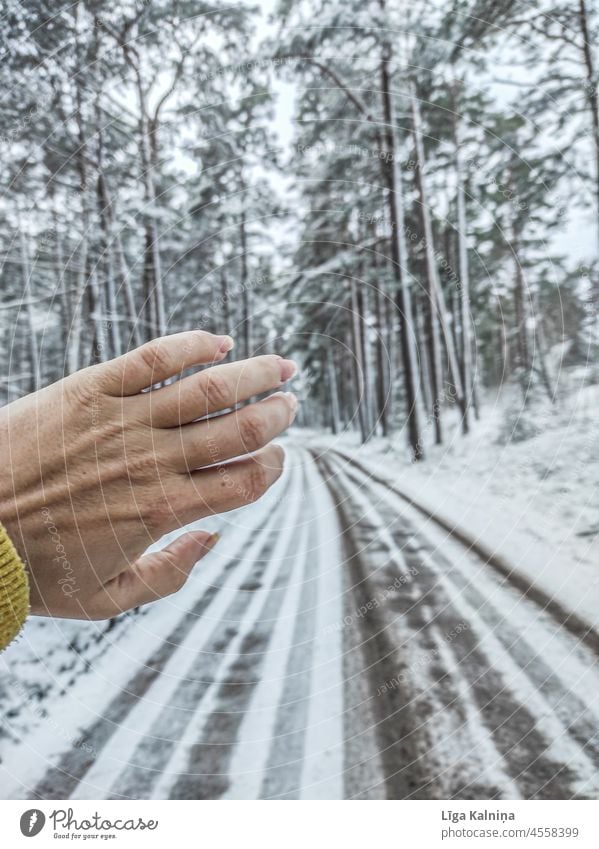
<point>338,646</point>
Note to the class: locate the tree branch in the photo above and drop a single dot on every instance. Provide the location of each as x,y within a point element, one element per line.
<point>336,79</point>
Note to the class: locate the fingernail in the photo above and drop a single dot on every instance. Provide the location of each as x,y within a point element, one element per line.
<point>288,370</point>
<point>292,401</point>
<point>226,345</point>
<point>206,541</point>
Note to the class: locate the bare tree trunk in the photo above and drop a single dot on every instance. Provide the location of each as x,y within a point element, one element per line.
<point>18,387</point>
<point>455,313</point>
<point>224,289</point>
<point>521,312</point>
<point>34,355</point>
<point>393,355</point>
<point>132,314</point>
<point>435,292</point>
<point>364,311</point>
<point>149,301</point>
<point>432,309</point>
<point>343,384</point>
<point>399,255</point>
<point>74,350</point>
<point>125,276</point>
<point>464,274</point>
<point>100,351</point>
<point>91,287</point>
<point>245,289</point>
<point>84,278</point>
<point>111,298</point>
<point>503,346</point>
<point>66,308</point>
<point>358,361</point>
<point>591,90</point>
<point>541,352</point>
<point>154,284</point>
<point>334,394</point>
<point>475,398</point>
<point>425,366</point>
<point>382,378</point>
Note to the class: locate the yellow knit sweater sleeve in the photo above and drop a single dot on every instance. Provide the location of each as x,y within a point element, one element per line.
<point>14,591</point>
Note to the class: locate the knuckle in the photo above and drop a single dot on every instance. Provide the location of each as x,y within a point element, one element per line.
<point>257,483</point>
<point>253,431</point>
<point>82,387</point>
<point>154,357</point>
<point>215,390</point>
<point>272,368</point>
<point>192,342</point>
<point>200,336</point>
<point>141,466</point>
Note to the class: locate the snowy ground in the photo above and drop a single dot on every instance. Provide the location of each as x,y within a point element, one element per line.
<point>534,500</point>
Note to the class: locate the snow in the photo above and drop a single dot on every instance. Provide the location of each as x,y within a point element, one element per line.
<point>450,739</point>
<point>534,502</point>
<point>322,774</point>
<point>538,632</point>
<point>250,758</point>
<point>487,757</point>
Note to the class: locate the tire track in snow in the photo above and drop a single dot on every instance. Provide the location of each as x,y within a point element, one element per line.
<point>543,767</point>
<point>393,726</point>
<point>282,775</point>
<point>256,731</point>
<point>565,618</point>
<point>205,773</point>
<point>322,744</point>
<point>322,772</point>
<point>560,713</point>
<point>418,737</point>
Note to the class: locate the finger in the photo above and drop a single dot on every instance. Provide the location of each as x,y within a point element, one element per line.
<point>232,435</point>
<point>154,575</point>
<point>227,487</point>
<point>160,359</point>
<point>216,389</point>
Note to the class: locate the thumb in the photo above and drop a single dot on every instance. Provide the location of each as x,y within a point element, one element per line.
<point>158,574</point>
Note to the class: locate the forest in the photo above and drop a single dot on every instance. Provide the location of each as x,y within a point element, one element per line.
<point>404,197</point>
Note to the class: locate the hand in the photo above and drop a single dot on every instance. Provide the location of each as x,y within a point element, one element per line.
<point>94,469</point>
